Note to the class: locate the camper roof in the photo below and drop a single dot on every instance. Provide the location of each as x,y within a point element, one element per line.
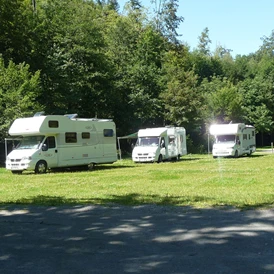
<point>225,129</point>
<point>152,132</point>
<point>51,124</point>
<point>29,125</point>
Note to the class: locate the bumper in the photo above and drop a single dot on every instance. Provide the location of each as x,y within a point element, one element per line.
<point>143,159</point>
<point>223,153</point>
<point>19,166</point>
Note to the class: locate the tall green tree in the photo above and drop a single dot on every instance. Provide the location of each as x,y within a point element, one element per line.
<point>15,31</point>
<point>74,70</point>
<point>166,19</point>
<point>223,101</point>
<point>204,42</point>
<point>206,66</point>
<point>135,51</point>
<point>258,103</point>
<point>181,95</point>
<point>19,90</point>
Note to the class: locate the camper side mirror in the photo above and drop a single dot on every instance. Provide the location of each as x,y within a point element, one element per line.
<point>238,142</point>
<point>44,147</point>
<point>163,144</point>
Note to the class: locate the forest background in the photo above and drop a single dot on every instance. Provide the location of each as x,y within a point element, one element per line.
<point>88,57</point>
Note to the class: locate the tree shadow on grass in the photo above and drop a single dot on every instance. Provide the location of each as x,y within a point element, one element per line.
<point>138,199</point>
<point>78,169</point>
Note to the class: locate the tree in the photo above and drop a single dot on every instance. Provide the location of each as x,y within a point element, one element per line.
<point>268,45</point>
<point>166,19</point>
<point>258,102</point>
<point>19,90</point>
<point>204,41</point>
<point>135,51</point>
<point>181,96</point>
<point>223,101</point>
<point>75,72</point>
<point>15,32</point>
<point>206,66</point>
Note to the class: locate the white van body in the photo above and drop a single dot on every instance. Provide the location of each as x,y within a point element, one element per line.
<point>159,144</point>
<point>55,141</point>
<point>233,140</point>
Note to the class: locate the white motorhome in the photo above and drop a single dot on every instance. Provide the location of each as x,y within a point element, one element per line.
<point>233,140</point>
<point>159,144</point>
<point>55,141</point>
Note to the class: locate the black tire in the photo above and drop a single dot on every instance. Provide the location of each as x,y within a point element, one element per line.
<point>41,167</point>
<point>178,157</point>
<point>160,159</point>
<point>236,155</point>
<point>91,166</point>
<point>18,172</point>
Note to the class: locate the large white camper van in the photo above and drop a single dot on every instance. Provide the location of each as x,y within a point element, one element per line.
<point>159,144</point>
<point>233,139</point>
<point>54,141</point>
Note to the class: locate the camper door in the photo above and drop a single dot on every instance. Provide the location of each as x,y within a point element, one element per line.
<point>164,147</point>
<point>49,151</point>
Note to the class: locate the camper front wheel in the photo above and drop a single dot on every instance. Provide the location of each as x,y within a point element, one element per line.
<point>160,159</point>
<point>41,167</point>
<point>236,154</point>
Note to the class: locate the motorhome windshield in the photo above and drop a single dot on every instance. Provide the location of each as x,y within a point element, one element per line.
<point>30,142</point>
<point>225,139</point>
<point>148,141</point>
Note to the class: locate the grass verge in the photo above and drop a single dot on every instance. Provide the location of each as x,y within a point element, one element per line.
<point>196,180</point>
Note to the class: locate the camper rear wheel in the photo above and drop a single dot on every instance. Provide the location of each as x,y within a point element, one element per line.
<point>178,157</point>
<point>41,167</point>
<point>17,171</point>
<point>91,166</point>
<point>160,158</point>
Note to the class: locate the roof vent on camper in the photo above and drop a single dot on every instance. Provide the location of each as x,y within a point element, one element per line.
<point>71,116</point>
<point>39,114</point>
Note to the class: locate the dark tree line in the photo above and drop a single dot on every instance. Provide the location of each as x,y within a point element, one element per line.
<point>94,59</point>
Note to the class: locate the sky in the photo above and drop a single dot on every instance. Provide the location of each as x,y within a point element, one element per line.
<point>238,25</point>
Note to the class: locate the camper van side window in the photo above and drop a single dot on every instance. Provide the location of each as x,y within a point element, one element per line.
<point>171,139</point>
<point>54,124</point>
<point>245,136</point>
<point>50,142</point>
<point>71,137</point>
<point>108,133</point>
<point>85,135</point>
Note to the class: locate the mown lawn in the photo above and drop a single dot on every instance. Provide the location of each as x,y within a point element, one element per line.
<point>196,180</point>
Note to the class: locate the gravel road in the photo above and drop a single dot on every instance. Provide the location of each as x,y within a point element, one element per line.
<point>139,239</point>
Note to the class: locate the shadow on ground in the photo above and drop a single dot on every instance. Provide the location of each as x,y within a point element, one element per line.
<point>137,239</point>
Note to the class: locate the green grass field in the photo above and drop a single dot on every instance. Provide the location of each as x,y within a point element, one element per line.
<point>196,180</point>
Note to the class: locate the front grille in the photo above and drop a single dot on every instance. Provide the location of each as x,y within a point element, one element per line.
<point>222,152</point>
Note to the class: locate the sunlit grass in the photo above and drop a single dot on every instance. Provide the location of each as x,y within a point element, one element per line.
<point>195,180</point>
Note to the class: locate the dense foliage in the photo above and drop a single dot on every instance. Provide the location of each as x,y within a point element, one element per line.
<point>92,58</point>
